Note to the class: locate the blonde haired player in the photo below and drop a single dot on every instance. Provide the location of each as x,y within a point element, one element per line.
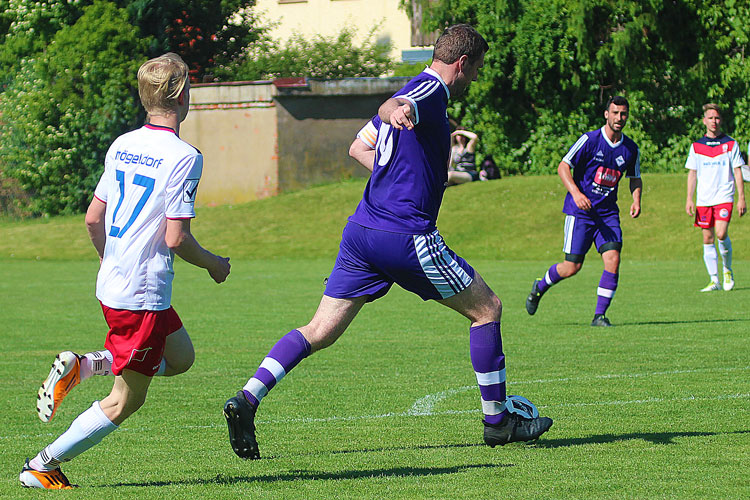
<point>714,165</point>
<point>139,218</point>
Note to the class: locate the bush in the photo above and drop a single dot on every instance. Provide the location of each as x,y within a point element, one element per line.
<point>66,105</point>
<point>319,57</point>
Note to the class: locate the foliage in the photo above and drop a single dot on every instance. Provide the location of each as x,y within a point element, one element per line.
<point>553,65</point>
<point>205,33</point>
<point>60,102</point>
<point>318,57</point>
<point>67,104</point>
<point>408,69</point>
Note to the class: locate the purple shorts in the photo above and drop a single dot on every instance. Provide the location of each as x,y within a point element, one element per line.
<point>370,261</point>
<point>582,230</point>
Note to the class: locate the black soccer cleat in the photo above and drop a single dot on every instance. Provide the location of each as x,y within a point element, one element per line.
<point>532,301</point>
<point>515,428</point>
<point>240,415</point>
<point>600,320</point>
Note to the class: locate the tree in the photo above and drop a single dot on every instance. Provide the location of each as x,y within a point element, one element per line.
<point>552,66</point>
<point>67,105</point>
<point>206,33</point>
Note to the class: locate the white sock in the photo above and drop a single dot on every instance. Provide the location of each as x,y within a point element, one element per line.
<point>725,249</point>
<point>96,363</point>
<point>87,429</point>
<point>711,259</point>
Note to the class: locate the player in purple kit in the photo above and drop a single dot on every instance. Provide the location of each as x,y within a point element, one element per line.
<point>598,160</point>
<point>392,238</point>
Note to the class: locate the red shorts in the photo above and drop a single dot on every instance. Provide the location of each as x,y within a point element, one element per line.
<point>136,339</point>
<point>706,217</point>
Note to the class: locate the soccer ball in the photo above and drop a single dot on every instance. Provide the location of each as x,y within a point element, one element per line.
<point>521,406</point>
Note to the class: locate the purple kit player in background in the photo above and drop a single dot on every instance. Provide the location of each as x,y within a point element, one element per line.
<point>392,238</point>
<point>598,159</point>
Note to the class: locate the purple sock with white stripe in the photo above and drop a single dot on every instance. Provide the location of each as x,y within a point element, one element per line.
<point>488,361</point>
<point>283,356</point>
<point>550,278</point>
<point>606,291</point>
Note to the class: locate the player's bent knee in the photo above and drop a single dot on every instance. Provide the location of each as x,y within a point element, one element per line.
<point>181,365</point>
<point>495,307</point>
<point>569,267</point>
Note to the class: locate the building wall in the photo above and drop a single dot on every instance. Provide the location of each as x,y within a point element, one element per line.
<point>234,126</point>
<point>314,135</point>
<point>329,17</point>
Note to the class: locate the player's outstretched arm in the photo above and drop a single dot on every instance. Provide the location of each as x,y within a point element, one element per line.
<point>363,153</point>
<point>740,187</point>
<point>183,243</point>
<point>95,225</point>
<point>691,182</point>
<point>636,188</point>
<point>398,112</point>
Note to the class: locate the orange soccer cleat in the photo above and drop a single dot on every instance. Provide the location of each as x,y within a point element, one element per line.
<point>64,375</point>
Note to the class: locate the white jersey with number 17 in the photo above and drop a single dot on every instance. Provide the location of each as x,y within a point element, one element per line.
<point>150,175</point>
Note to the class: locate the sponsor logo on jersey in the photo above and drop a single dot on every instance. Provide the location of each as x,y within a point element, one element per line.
<point>139,159</point>
<point>607,177</point>
<point>189,190</point>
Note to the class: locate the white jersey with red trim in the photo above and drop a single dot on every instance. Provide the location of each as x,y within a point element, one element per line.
<point>150,175</point>
<point>714,160</point>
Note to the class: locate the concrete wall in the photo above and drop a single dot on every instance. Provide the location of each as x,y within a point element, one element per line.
<point>234,126</point>
<point>259,139</point>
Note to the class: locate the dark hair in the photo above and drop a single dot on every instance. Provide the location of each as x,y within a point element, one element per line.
<point>617,100</point>
<point>459,40</point>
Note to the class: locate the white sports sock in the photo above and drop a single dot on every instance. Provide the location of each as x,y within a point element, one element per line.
<point>96,363</point>
<point>87,429</point>
<point>711,258</point>
<point>725,249</point>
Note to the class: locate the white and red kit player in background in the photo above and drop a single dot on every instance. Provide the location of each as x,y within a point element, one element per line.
<point>139,217</point>
<point>715,166</point>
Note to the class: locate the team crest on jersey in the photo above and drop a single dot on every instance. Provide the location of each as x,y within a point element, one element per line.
<point>620,161</point>
<point>189,190</point>
<point>725,147</point>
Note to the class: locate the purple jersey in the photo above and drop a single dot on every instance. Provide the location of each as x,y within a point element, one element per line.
<point>410,171</point>
<point>598,165</point>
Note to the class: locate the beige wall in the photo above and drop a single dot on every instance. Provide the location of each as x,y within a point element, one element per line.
<point>234,126</point>
<point>329,17</point>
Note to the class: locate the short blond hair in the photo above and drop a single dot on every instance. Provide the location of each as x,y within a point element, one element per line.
<point>711,105</point>
<point>160,82</point>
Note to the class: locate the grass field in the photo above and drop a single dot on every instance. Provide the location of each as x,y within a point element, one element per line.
<point>654,408</point>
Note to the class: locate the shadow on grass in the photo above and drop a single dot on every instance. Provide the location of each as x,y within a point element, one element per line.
<point>653,437</point>
<point>686,322</point>
<point>222,479</point>
<point>663,322</point>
